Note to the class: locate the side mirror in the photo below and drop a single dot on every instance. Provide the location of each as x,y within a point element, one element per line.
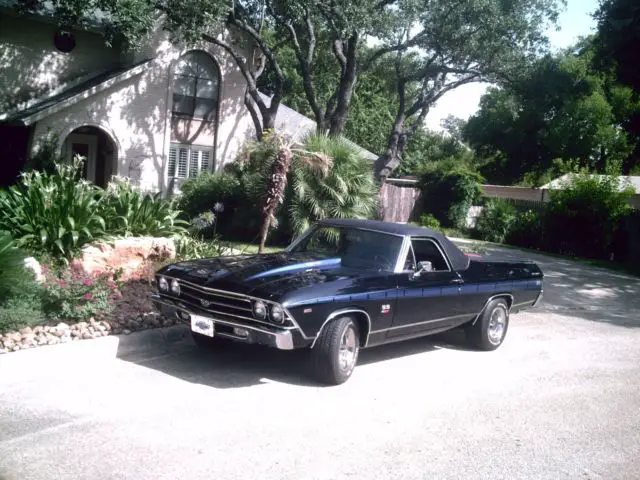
<point>423,267</point>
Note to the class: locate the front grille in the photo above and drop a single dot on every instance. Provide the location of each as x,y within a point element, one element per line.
<point>223,305</point>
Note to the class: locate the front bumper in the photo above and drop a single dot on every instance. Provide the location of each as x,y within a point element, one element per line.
<point>282,339</point>
<point>538,300</point>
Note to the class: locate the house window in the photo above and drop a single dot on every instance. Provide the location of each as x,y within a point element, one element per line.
<point>188,161</point>
<point>195,86</point>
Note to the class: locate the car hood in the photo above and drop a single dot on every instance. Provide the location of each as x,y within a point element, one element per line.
<point>270,276</point>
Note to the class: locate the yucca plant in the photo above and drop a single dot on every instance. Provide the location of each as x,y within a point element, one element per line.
<point>348,190</point>
<point>130,212</point>
<point>55,212</point>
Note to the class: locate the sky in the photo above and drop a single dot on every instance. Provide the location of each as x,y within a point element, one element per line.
<point>574,21</point>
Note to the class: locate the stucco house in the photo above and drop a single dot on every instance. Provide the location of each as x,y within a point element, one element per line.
<point>157,115</point>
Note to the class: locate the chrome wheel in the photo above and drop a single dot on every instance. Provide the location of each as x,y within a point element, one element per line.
<point>497,325</point>
<point>348,350</point>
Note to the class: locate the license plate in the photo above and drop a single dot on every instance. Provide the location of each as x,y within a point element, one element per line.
<point>202,325</point>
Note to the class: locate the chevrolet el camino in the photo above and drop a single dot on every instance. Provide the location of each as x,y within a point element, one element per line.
<point>345,285</point>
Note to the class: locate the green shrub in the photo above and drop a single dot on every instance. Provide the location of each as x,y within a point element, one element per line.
<point>429,221</point>
<point>495,221</point>
<point>582,218</point>
<point>527,230</point>
<point>130,212</point>
<point>448,191</point>
<point>53,212</point>
<point>11,264</point>
<point>20,295</point>
<point>349,189</point>
<point>201,194</point>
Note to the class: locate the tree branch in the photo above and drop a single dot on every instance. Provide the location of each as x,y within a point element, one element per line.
<point>304,61</point>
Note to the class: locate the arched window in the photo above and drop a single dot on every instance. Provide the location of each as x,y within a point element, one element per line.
<point>195,86</point>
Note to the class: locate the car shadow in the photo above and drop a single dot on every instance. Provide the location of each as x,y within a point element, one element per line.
<point>239,365</point>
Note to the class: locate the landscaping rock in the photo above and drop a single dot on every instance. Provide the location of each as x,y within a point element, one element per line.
<point>134,256</point>
<point>33,265</point>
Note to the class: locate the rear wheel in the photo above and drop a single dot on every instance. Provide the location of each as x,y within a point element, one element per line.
<point>490,329</point>
<point>335,353</point>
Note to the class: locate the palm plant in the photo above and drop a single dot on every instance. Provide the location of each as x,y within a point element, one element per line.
<point>277,155</point>
<point>349,190</point>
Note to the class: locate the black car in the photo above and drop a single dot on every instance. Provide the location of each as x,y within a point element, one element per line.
<point>345,285</point>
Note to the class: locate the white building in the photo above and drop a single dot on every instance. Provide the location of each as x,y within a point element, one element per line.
<point>154,115</point>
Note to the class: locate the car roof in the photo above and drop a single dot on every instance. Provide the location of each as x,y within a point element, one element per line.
<point>459,260</point>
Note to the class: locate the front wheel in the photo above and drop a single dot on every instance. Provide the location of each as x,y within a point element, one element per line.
<point>335,353</point>
<point>490,329</point>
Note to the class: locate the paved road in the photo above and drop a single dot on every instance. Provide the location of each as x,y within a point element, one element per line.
<point>559,400</point>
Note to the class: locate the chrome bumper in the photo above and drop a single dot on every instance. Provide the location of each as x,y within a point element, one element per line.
<point>538,300</point>
<point>280,339</point>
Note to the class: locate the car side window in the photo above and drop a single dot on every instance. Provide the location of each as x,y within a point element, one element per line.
<point>425,250</point>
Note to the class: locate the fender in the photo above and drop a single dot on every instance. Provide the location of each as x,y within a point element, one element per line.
<point>342,311</point>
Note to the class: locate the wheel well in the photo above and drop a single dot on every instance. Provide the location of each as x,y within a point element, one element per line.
<point>363,326</point>
<point>360,317</point>
<point>506,296</point>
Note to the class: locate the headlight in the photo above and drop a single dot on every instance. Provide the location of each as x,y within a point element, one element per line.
<point>175,287</point>
<point>277,314</point>
<point>163,285</point>
<point>259,310</point>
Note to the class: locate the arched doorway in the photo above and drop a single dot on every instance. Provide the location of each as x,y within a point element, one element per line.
<point>99,151</point>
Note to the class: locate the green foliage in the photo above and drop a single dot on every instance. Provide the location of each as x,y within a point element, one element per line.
<point>448,191</point>
<point>20,295</point>
<point>46,157</point>
<point>560,108</point>
<point>129,212</point>
<point>582,219</point>
<point>429,221</point>
<point>618,39</point>
<point>427,148</point>
<point>55,213</point>
<point>496,221</point>
<point>72,296</point>
<point>348,191</point>
<point>527,230</point>
<point>11,264</point>
<point>202,193</point>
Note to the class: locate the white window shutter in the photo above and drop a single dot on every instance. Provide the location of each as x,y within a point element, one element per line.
<point>173,157</point>
<point>183,162</point>
<point>194,163</point>
<point>206,161</point>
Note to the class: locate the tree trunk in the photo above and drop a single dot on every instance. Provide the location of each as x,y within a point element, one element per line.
<point>275,190</point>
<point>253,111</point>
<point>337,120</point>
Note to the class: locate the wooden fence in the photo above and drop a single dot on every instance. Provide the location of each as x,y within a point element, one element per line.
<point>398,200</point>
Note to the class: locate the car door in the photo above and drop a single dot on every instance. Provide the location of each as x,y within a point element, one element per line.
<point>429,300</point>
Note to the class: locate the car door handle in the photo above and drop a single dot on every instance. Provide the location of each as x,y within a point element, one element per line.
<point>457,281</point>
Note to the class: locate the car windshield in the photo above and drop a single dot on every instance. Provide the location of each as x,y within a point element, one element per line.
<point>355,247</point>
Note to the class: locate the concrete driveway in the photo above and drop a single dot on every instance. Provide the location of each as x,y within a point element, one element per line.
<point>560,399</point>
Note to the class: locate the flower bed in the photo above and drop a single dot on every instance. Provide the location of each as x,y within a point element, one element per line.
<point>132,311</point>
